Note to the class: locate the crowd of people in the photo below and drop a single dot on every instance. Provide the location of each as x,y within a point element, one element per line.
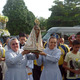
<point>55,62</point>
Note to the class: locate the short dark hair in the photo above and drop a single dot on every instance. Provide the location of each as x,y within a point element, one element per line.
<point>55,35</point>
<point>78,33</point>
<point>22,35</point>
<point>75,42</point>
<point>52,37</point>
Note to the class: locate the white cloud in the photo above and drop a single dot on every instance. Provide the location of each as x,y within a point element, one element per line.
<point>40,8</point>
<point>2,3</point>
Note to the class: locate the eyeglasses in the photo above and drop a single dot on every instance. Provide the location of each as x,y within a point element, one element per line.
<point>15,44</point>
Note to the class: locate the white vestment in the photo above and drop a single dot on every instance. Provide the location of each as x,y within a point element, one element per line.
<point>32,44</point>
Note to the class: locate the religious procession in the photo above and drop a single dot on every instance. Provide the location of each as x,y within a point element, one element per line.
<point>28,57</point>
<point>40,48</point>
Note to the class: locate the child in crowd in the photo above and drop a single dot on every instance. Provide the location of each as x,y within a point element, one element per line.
<point>69,61</point>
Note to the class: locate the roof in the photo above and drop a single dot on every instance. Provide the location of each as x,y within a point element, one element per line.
<point>64,29</point>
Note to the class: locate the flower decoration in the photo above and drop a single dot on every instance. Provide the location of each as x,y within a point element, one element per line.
<point>3,19</point>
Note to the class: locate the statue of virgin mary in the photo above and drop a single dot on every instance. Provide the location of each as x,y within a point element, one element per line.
<point>34,42</point>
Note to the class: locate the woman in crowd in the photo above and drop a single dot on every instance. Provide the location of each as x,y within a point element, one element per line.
<point>50,58</point>
<point>16,61</point>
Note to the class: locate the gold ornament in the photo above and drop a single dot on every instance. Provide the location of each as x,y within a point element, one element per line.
<point>37,22</point>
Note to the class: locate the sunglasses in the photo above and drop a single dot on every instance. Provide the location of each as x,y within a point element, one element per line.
<point>15,44</point>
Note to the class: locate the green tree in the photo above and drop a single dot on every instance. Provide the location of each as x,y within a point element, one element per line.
<point>18,17</point>
<point>43,23</point>
<point>31,19</point>
<point>65,13</point>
